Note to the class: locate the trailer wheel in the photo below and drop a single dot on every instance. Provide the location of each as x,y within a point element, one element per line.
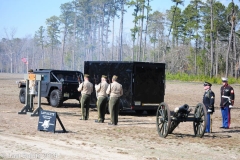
<point>151,112</point>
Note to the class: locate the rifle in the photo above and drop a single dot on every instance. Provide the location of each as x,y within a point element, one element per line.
<point>109,80</point>
<point>95,79</point>
<point>79,82</point>
<point>79,79</point>
<point>229,101</point>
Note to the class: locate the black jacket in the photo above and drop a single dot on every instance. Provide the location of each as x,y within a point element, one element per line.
<point>226,91</point>
<point>209,99</point>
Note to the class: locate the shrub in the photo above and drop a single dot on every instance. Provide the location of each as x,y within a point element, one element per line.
<point>198,78</point>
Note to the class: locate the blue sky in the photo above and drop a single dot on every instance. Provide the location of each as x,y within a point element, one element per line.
<point>26,16</point>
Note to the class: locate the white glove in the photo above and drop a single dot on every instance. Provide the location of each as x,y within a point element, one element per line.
<point>230,106</point>
<point>176,109</point>
<point>209,110</point>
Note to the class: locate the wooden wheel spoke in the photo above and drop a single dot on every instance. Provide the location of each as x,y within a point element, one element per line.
<point>161,128</point>
<point>164,128</point>
<point>160,122</point>
<point>199,125</point>
<point>163,120</point>
<point>202,113</point>
<point>161,112</point>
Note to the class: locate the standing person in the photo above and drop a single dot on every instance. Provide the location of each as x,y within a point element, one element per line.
<point>208,101</point>
<point>115,91</point>
<point>101,99</point>
<point>31,82</point>
<point>227,101</point>
<point>32,90</point>
<point>86,89</point>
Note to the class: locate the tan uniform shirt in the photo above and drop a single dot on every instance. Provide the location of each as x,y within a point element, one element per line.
<point>115,90</point>
<point>86,87</point>
<point>101,89</point>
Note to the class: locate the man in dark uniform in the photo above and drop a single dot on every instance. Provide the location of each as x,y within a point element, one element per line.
<point>86,89</point>
<point>227,102</point>
<point>115,91</point>
<point>208,101</point>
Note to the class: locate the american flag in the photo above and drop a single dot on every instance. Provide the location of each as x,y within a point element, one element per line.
<point>24,60</point>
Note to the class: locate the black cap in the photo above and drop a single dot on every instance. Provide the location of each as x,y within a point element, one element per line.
<point>207,84</point>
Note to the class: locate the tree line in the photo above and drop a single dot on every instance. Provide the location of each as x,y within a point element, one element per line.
<point>200,39</point>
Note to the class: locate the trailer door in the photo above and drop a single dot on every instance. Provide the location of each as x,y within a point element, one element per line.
<point>149,84</point>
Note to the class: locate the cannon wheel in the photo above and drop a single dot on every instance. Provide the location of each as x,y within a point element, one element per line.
<point>199,125</point>
<point>163,120</point>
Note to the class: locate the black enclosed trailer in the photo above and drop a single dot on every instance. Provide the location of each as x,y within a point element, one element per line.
<point>143,82</point>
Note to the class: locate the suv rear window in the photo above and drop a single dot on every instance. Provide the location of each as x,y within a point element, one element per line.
<point>65,76</point>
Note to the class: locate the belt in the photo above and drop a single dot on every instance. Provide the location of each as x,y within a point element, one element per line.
<point>113,97</point>
<point>102,96</point>
<point>87,94</point>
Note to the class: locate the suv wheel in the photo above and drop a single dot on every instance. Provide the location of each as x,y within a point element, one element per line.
<point>151,112</point>
<point>139,112</point>
<point>56,99</point>
<point>22,94</point>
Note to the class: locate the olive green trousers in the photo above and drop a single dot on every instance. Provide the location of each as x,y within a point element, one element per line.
<point>114,109</point>
<point>101,106</point>
<point>85,102</point>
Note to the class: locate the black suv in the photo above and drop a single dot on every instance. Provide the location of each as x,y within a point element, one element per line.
<point>57,86</point>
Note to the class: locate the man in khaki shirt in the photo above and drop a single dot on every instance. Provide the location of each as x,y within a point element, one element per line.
<point>115,91</point>
<point>31,82</point>
<point>86,89</point>
<point>101,99</point>
<point>32,90</point>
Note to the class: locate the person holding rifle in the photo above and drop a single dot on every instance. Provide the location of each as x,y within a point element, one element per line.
<point>227,102</point>
<point>115,91</point>
<point>208,101</point>
<point>78,78</point>
<point>32,91</point>
<point>86,88</point>
<point>101,98</point>
<point>31,82</point>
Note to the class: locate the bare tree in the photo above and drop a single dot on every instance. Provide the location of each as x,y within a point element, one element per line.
<point>121,30</point>
<point>232,21</point>
<point>12,47</point>
<point>146,27</point>
<point>211,37</point>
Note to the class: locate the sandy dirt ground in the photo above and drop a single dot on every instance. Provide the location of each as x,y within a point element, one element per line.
<point>135,138</point>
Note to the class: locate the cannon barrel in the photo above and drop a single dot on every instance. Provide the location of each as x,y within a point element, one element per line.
<point>183,109</point>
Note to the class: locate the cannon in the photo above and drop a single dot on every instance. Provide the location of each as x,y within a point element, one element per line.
<point>167,121</point>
